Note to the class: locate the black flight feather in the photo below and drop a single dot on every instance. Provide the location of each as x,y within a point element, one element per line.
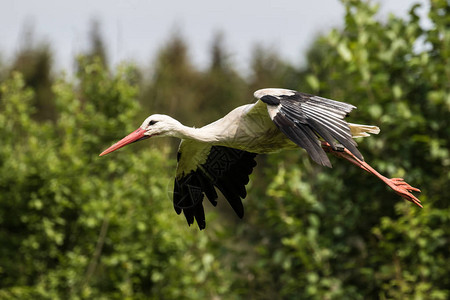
<point>227,169</point>
<point>304,118</point>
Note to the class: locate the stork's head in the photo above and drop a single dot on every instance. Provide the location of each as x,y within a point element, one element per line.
<point>155,125</point>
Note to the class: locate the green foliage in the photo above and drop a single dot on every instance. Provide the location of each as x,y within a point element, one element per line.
<point>172,69</point>
<point>34,62</point>
<point>76,226</point>
<point>337,235</point>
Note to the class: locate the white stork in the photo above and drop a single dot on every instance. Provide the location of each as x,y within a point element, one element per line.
<point>222,153</point>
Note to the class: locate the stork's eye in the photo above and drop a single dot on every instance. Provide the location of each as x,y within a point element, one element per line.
<point>152,123</point>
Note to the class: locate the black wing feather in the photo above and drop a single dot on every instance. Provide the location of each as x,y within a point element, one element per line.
<point>304,137</point>
<point>227,169</point>
<point>303,117</point>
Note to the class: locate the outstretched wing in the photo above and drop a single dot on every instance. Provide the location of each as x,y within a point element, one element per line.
<point>202,167</point>
<point>303,118</point>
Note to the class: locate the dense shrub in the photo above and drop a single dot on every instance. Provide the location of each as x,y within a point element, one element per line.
<point>76,226</point>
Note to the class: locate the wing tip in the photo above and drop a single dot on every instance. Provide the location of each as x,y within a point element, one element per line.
<point>190,189</point>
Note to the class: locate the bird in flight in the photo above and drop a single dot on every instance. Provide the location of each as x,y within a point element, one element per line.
<point>222,154</point>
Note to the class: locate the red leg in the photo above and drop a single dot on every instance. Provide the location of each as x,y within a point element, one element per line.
<point>399,186</point>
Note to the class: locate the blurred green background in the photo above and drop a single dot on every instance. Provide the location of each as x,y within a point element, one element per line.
<point>76,226</point>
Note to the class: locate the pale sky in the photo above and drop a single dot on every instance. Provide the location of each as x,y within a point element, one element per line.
<point>136,29</point>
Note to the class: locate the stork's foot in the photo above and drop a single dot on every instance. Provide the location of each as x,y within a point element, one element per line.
<point>399,186</point>
<point>403,189</point>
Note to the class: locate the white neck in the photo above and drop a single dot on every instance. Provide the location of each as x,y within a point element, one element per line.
<point>208,134</point>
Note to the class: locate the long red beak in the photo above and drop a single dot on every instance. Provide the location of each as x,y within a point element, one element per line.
<point>135,136</point>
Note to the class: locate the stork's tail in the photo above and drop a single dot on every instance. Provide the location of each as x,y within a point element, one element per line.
<point>358,130</point>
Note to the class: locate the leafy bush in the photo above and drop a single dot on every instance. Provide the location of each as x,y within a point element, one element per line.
<point>76,226</point>
<point>79,226</point>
